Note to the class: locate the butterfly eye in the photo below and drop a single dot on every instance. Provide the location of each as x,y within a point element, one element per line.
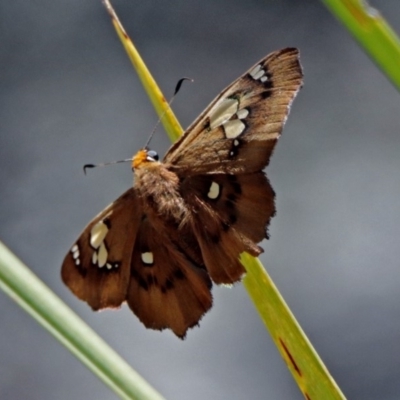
<point>152,155</point>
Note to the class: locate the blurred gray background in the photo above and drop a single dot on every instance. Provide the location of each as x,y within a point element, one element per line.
<point>68,96</point>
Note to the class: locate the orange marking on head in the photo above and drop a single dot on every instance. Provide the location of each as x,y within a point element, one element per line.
<point>139,158</point>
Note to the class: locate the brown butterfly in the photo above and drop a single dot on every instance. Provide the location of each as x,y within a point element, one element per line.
<point>188,218</point>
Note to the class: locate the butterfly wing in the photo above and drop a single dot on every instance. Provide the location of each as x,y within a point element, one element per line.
<point>221,156</point>
<point>97,269</point>
<point>239,129</point>
<point>230,215</point>
<point>122,256</point>
<point>170,287</point>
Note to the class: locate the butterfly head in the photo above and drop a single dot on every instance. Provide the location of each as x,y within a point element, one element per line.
<point>143,157</point>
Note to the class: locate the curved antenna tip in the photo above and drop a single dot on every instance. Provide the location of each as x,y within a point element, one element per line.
<point>87,166</point>
<point>177,88</point>
<point>179,84</point>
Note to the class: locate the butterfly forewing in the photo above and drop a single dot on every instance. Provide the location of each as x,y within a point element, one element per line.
<point>239,129</point>
<point>97,268</point>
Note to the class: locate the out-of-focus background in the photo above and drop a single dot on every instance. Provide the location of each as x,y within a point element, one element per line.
<point>69,96</point>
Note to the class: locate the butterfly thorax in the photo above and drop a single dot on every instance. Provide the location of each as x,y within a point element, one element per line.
<point>158,189</point>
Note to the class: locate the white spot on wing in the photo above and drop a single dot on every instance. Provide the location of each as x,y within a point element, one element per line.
<point>255,71</point>
<point>109,266</point>
<point>258,73</point>
<point>94,258</point>
<point>243,113</point>
<point>102,255</point>
<point>97,234</point>
<point>147,258</point>
<point>234,128</point>
<point>213,193</point>
<point>223,112</point>
<point>75,254</point>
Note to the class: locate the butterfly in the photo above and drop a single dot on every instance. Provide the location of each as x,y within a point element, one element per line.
<point>187,219</point>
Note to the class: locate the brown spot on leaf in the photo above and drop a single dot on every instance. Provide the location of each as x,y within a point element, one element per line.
<point>295,366</point>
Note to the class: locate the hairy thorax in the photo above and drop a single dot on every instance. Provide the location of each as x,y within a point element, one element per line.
<point>157,187</point>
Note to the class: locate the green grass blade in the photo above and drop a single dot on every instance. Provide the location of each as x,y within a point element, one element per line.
<point>42,304</point>
<point>169,121</point>
<point>373,33</point>
<point>306,367</point>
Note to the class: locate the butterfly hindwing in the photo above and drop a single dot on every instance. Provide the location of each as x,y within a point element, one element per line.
<point>239,129</point>
<point>168,288</point>
<point>97,268</point>
<point>230,215</point>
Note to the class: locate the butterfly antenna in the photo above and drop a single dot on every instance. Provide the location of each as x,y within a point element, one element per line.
<point>177,88</point>
<point>86,166</point>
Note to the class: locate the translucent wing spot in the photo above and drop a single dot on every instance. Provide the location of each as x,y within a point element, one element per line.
<point>255,71</point>
<point>94,258</point>
<point>234,128</point>
<point>97,234</point>
<point>223,112</point>
<point>243,113</point>
<point>235,148</point>
<point>214,191</point>
<point>75,254</point>
<point>102,256</point>
<point>259,73</point>
<point>147,258</point>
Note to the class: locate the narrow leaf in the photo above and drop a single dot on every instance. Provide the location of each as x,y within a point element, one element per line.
<point>41,303</point>
<point>372,32</point>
